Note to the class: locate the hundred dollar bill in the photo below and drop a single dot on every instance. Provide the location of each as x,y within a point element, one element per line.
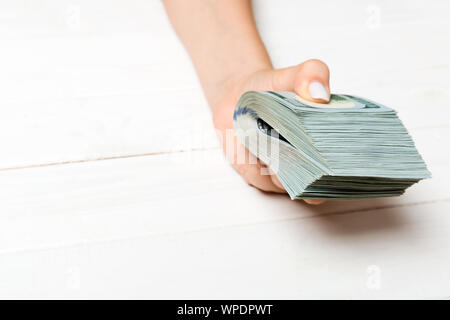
<point>350,148</point>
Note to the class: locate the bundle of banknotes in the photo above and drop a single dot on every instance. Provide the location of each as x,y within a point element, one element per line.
<point>349,148</point>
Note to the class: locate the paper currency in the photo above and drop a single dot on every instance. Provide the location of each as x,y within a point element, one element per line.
<point>350,148</point>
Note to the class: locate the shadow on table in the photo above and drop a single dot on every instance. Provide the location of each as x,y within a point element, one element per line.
<point>351,217</point>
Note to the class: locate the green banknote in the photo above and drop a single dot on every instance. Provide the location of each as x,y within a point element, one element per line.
<point>350,148</point>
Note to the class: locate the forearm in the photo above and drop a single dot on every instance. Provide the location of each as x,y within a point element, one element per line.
<point>222,40</point>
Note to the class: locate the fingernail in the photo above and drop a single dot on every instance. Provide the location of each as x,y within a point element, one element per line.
<point>318,91</point>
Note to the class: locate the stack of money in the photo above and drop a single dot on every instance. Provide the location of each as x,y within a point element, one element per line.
<point>350,148</point>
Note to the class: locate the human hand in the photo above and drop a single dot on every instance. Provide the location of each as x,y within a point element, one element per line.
<point>310,80</point>
<point>230,58</point>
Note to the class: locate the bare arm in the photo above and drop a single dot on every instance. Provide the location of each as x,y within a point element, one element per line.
<point>221,38</point>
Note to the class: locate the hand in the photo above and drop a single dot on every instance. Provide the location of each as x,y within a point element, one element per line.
<point>230,58</point>
<point>310,80</point>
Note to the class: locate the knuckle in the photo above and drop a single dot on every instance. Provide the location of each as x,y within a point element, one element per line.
<point>315,62</point>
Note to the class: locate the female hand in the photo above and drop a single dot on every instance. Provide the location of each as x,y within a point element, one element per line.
<point>310,80</point>
<point>230,58</point>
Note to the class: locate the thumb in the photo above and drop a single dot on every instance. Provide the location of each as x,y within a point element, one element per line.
<point>310,80</point>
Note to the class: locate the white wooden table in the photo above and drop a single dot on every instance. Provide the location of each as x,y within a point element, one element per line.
<point>112,184</point>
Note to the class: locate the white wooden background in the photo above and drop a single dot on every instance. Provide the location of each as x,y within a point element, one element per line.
<point>112,184</point>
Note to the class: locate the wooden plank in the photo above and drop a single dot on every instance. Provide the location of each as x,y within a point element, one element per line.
<point>100,128</point>
<point>101,200</point>
<point>110,126</point>
<point>389,253</point>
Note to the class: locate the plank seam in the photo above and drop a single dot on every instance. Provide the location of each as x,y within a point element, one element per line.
<point>49,164</point>
<point>411,130</point>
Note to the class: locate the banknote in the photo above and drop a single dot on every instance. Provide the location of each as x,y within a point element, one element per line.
<point>350,148</point>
